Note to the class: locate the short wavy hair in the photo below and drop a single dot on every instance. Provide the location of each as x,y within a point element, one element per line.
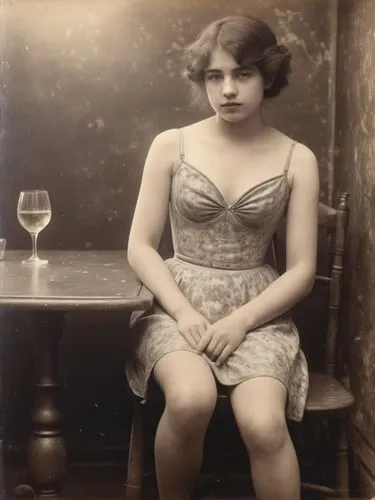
<point>250,41</point>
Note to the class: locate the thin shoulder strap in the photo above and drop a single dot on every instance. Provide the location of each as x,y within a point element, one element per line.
<point>181,145</point>
<point>287,163</point>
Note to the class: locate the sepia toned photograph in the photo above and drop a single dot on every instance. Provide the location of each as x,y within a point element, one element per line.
<point>187,306</point>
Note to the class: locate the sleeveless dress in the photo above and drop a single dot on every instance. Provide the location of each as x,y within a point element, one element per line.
<point>218,264</point>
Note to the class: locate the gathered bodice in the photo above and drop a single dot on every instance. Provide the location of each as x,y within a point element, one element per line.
<point>209,231</point>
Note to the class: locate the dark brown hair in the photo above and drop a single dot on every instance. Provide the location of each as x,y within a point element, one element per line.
<point>250,41</point>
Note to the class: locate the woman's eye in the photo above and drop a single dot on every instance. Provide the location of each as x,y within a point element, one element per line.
<point>214,77</point>
<point>245,75</point>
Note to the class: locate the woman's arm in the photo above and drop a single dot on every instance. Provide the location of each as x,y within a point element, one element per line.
<point>148,223</point>
<point>301,246</point>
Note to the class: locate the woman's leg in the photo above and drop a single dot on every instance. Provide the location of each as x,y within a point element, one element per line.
<point>190,398</point>
<point>259,408</point>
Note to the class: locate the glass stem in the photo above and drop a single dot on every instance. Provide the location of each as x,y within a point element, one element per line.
<point>34,239</point>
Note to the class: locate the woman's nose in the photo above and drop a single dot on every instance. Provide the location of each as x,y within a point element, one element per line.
<point>229,88</point>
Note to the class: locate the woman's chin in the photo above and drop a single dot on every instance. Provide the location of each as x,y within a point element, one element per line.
<point>233,118</point>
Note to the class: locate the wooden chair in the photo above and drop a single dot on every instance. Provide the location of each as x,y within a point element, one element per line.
<point>328,398</point>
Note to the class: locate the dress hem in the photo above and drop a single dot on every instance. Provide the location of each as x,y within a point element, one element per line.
<point>143,394</point>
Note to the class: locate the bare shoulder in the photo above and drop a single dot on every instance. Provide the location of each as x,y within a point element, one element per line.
<point>303,154</point>
<point>304,169</point>
<point>303,163</point>
<point>165,147</point>
<point>166,141</point>
<point>163,152</point>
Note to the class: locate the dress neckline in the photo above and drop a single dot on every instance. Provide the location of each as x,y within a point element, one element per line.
<point>229,205</point>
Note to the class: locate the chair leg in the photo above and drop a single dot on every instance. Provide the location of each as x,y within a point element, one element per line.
<point>342,472</point>
<point>135,460</point>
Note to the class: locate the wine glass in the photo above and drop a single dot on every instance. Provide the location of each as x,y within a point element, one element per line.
<point>34,213</point>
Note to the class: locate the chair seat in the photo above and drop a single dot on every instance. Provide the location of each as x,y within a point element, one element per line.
<point>327,394</point>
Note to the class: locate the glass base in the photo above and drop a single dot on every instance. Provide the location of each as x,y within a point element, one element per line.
<point>35,261</point>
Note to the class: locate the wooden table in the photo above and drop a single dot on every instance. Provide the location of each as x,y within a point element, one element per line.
<point>73,280</point>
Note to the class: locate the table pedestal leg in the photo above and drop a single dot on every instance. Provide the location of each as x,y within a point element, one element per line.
<point>46,450</point>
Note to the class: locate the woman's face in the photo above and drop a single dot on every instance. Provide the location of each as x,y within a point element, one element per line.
<point>234,93</point>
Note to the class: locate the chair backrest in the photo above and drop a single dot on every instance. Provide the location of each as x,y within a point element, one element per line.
<point>333,229</point>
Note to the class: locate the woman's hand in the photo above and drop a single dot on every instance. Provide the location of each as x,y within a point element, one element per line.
<point>192,326</point>
<point>222,338</point>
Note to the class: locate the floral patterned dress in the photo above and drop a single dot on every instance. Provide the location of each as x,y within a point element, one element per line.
<point>218,264</point>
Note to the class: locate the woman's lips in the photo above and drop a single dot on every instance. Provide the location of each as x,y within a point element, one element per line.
<point>230,104</point>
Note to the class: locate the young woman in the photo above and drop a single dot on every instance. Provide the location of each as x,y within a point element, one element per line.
<point>221,314</point>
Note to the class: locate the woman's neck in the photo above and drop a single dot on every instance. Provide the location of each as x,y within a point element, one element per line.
<point>249,129</point>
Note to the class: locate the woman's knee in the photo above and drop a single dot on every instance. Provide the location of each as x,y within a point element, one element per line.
<point>190,391</point>
<point>189,388</point>
<point>191,404</point>
<point>259,407</point>
<point>263,431</point>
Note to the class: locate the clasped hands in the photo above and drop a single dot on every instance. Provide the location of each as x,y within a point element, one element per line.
<point>217,340</point>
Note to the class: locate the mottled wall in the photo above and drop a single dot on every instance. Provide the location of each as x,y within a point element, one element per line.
<point>355,172</point>
<point>88,84</point>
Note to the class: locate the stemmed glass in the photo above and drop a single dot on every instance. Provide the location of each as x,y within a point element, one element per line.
<point>34,213</point>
